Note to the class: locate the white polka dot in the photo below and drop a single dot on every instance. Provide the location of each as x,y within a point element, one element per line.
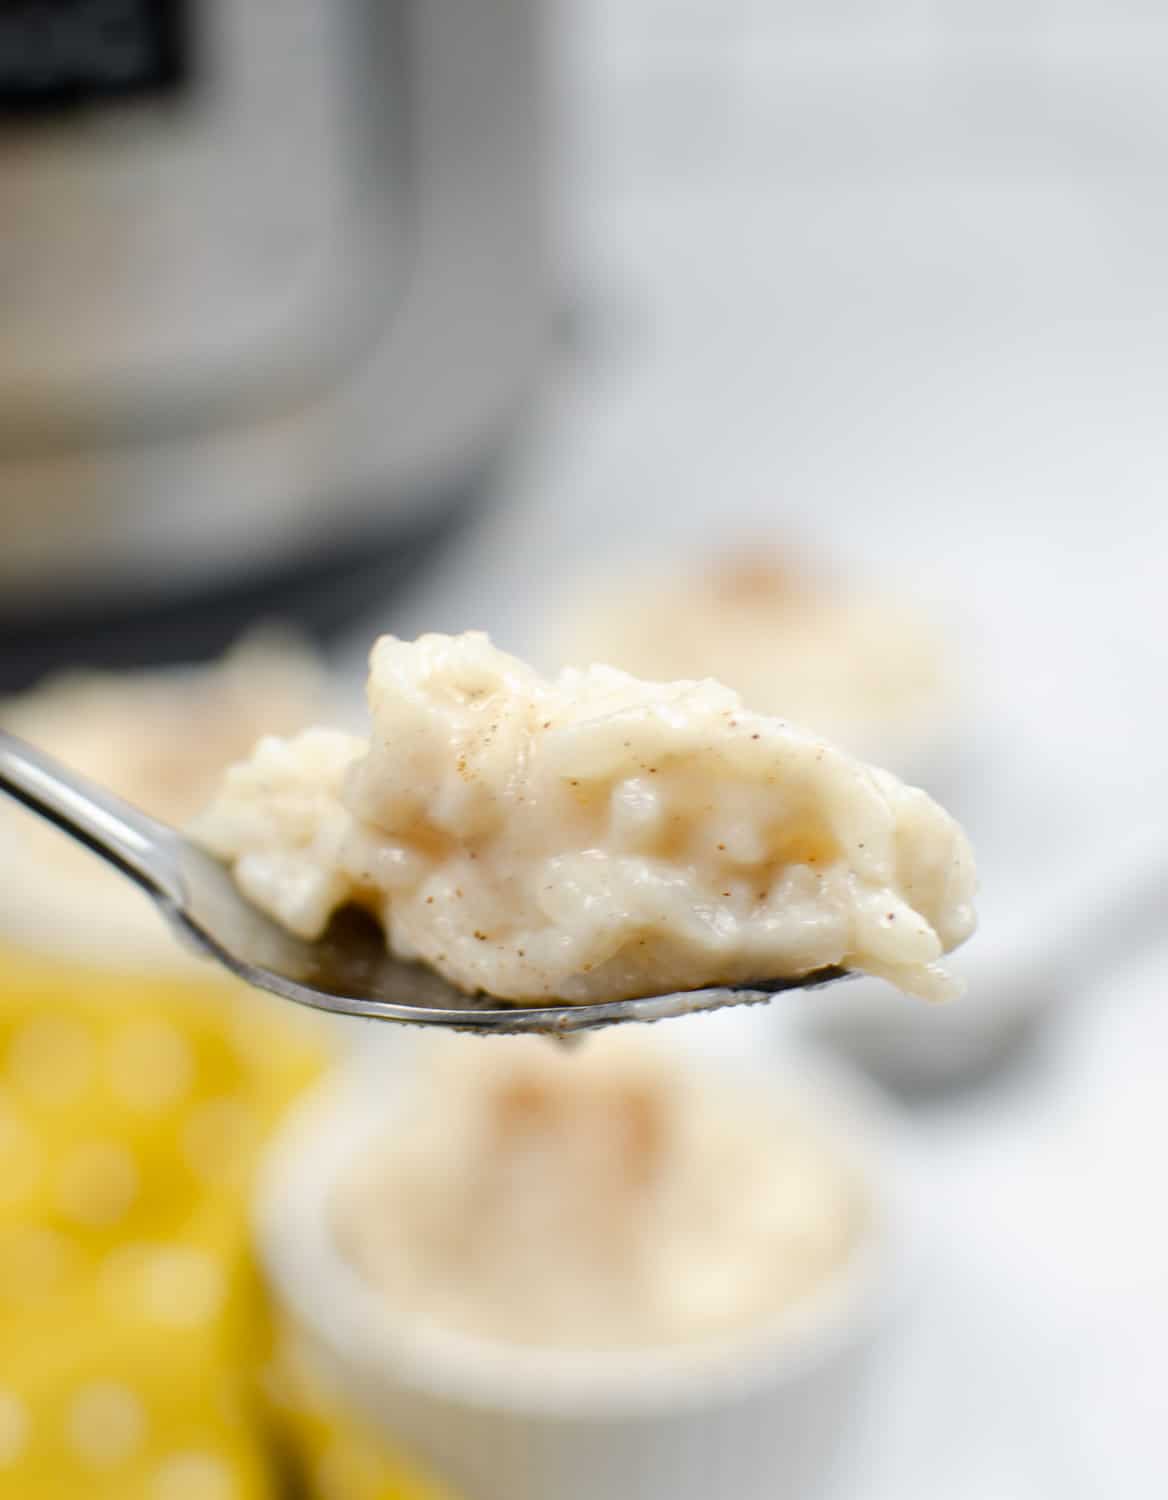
<point>182,1287</point>
<point>175,1285</point>
<point>193,1476</point>
<point>220,1138</point>
<point>97,1183</point>
<point>149,1065</point>
<point>50,1059</point>
<point>106,1423</point>
<point>13,1428</point>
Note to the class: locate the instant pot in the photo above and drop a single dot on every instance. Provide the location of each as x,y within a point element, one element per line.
<point>273,291</point>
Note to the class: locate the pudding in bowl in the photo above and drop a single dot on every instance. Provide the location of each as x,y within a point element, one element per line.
<point>871,670</point>
<point>614,1271</point>
<point>605,1197</point>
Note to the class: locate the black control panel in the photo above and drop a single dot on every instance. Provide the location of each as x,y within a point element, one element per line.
<point>58,54</point>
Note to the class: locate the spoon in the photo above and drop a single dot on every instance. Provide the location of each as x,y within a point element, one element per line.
<point>348,970</point>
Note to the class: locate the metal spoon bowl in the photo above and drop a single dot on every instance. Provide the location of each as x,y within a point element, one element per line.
<point>347,971</point>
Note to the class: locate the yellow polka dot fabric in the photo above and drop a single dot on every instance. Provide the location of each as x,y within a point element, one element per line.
<point>137,1360</point>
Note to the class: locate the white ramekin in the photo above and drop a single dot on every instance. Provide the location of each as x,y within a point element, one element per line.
<point>766,1415</point>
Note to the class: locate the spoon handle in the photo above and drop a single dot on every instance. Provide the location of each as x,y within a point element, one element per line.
<point>129,839</point>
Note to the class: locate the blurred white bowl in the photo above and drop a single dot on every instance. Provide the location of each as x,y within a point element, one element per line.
<point>766,1415</point>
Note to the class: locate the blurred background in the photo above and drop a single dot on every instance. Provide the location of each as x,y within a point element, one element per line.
<point>540,318</point>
